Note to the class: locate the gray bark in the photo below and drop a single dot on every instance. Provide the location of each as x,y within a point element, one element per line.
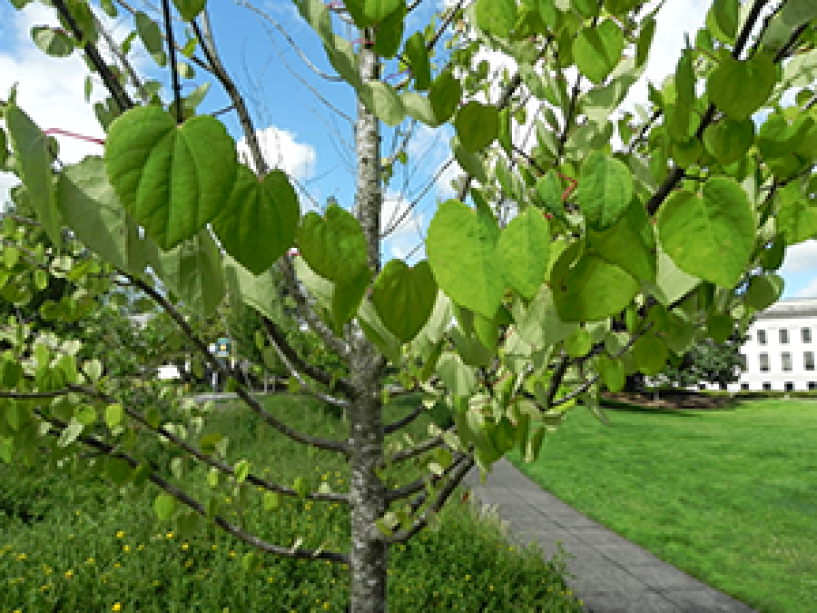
<point>367,493</point>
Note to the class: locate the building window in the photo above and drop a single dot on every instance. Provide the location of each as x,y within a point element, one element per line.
<point>761,337</point>
<point>789,386</point>
<point>808,360</point>
<point>764,362</point>
<point>744,387</point>
<point>785,359</point>
<point>767,386</point>
<point>784,337</point>
<point>812,385</point>
<point>743,362</point>
<point>805,334</point>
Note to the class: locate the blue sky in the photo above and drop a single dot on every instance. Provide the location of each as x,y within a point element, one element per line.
<point>299,133</point>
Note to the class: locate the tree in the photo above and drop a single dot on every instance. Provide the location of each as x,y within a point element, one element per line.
<point>707,362</point>
<point>627,233</point>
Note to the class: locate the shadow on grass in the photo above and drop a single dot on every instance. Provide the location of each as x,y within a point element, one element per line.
<point>626,407</point>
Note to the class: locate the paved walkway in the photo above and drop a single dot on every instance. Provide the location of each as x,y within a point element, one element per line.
<point>612,574</point>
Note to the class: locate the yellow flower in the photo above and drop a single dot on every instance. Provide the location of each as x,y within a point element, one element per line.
<point>126,548</point>
<point>117,565</point>
<point>185,546</point>
<point>116,607</point>
<point>89,561</point>
<point>232,554</point>
<point>22,557</point>
<point>214,547</point>
<point>467,577</point>
<point>141,547</point>
<point>69,574</point>
<point>120,534</point>
<point>169,535</point>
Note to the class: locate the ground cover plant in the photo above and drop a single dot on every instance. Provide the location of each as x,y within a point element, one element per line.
<point>80,546</point>
<point>726,495</point>
<point>586,241</point>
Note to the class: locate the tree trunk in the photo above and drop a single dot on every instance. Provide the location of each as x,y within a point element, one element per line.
<point>367,493</point>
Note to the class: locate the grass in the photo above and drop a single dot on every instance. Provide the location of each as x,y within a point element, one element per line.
<point>729,496</point>
<point>70,543</point>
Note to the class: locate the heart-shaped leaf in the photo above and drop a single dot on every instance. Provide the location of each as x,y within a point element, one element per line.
<point>477,125</point>
<point>729,140</point>
<point>334,246</point>
<point>260,220</point>
<point>716,226</point>
<point>417,54</point>
<point>496,17</point>
<point>605,190</point>
<point>173,180</point>
<point>524,250</point>
<point>445,94</point>
<point>597,50</point>
<point>382,100</point>
<point>461,246</point>
<point>591,289</point>
<point>740,87</point>
<point>189,9</point>
<point>404,297</point>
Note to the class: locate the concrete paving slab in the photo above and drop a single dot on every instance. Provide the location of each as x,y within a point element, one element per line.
<point>611,574</point>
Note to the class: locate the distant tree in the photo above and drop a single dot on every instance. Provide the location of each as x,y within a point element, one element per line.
<point>707,362</point>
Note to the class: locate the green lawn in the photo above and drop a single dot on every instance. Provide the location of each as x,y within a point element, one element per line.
<point>729,496</point>
<point>68,543</point>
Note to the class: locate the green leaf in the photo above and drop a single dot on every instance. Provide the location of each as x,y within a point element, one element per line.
<point>605,190</point>
<point>164,505</point>
<point>741,87</point>
<point>316,14</point>
<point>496,17</point>
<point>469,161</point>
<point>797,216</point>
<point>193,272</point>
<point>445,94</point>
<point>367,13</point>
<point>382,100</point>
<point>114,414</point>
<point>271,501</point>
<point>719,327</point>
<point>612,373</point>
<point>461,246</point>
<point>346,297</point>
<point>458,378</point>
<point>389,33</point>
<point>208,443</point>
<point>579,343</point>
<point>91,209</point>
<point>729,140</point>
<point>151,37</point>
<point>723,18</point>
<point>258,291</point>
<point>118,470</point>
<point>417,55</point>
<point>629,243</point>
<point>85,414</point>
<point>33,159</point>
<point>591,290</point>
<point>300,486</point>
<point>650,354</point>
<point>260,220</point>
<point>404,297</point>
<point>242,470</point>
<point>70,434</point>
<point>763,291</point>
<point>597,50</point>
<point>716,226</point>
<point>477,125</point>
<point>524,251</point>
<point>334,246</point>
<point>189,9</point>
<point>419,107</point>
<point>52,42</point>
<point>172,179</point>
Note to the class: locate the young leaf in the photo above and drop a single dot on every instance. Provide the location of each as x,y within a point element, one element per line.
<point>172,179</point>
<point>404,297</point>
<point>382,100</point>
<point>334,245</point>
<point>445,94</point>
<point>716,226</point>
<point>164,505</point>
<point>461,247</point>
<point>524,250</point>
<point>477,125</point>
<point>597,50</point>
<point>260,220</point>
<point>52,42</point>
<point>189,9</point>
<point>496,17</point>
<point>113,415</point>
<point>417,55</point>
<point>605,190</point>
<point>741,87</point>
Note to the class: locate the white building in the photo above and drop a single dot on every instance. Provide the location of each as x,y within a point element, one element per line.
<point>780,351</point>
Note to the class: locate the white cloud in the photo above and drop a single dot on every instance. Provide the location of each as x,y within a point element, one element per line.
<point>282,150</point>
<point>809,291</point>
<point>800,257</point>
<point>49,89</point>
